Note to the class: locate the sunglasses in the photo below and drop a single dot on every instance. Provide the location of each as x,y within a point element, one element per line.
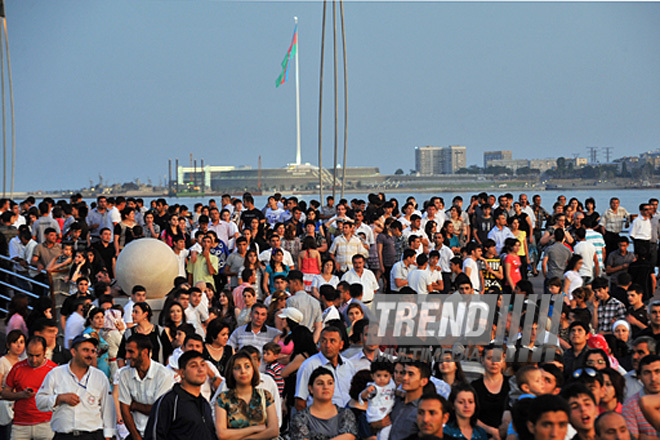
<point>588,371</point>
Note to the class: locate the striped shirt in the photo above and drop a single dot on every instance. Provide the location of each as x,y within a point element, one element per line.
<point>596,238</point>
<point>635,420</point>
<point>244,335</point>
<point>614,221</point>
<point>274,370</point>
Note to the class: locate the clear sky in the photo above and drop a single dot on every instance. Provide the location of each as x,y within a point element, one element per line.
<point>118,87</point>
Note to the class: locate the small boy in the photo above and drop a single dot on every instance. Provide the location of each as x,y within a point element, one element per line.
<point>554,286</point>
<point>530,381</point>
<point>271,352</point>
<point>59,269</point>
<point>380,394</point>
<point>581,296</point>
<point>62,264</point>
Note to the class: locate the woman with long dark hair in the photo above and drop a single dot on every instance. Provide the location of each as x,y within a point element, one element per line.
<point>171,231</point>
<point>216,349</point>
<point>274,268</point>
<point>124,230</point>
<point>309,261</point>
<point>613,391</point>
<point>162,347</point>
<point>251,261</point>
<point>15,345</point>
<point>572,277</point>
<point>79,268</point>
<point>303,348</point>
<point>450,238</point>
<point>228,310</point>
<point>463,419</point>
<point>175,317</point>
<point>449,371</point>
<point>245,411</point>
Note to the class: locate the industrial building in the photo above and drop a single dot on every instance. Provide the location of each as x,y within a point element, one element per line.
<point>298,177</point>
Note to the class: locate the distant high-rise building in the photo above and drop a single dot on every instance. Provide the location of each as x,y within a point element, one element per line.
<point>425,158</point>
<point>431,160</point>
<point>496,155</point>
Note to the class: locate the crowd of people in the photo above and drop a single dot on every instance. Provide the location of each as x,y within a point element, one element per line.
<point>264,333</point>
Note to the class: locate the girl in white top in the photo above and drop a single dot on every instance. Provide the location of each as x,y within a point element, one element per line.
<point>572,278</point>
<point>15,353</point>
<point>325,277</point>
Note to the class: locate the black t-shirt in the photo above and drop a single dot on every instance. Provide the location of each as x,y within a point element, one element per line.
<point>249,214</point>
<point>162,221</point>
<point>107,253</point>
<point>591,219</point>
<point>491,406</point>
<point>642,316</point>
<point>522,220</point>
<point>483,226</point>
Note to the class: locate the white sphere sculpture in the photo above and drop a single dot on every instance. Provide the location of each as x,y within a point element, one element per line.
<point>149,263</point>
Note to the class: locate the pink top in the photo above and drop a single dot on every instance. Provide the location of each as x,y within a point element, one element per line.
<point>286,349</point>
<point>16,322</point>
<point>309,265</point>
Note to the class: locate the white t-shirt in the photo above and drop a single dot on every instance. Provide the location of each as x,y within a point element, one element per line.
<point>319,281</point>
<point>75,324</point>
<point>587,251</point>
<point>575,281</point>
<point>273,215</point>
<point>475,279</point>
<point>181,261</point>
<point>419,280</point>
<point>399,271</point>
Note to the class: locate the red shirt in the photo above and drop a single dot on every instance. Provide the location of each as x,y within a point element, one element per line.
<point>514,261</point>
<point>23,376</point>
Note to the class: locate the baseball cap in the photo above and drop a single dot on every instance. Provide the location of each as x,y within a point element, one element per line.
<point>291,313</point>
<point>84,338</point>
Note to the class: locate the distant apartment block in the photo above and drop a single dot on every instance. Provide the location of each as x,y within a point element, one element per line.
<point>512,164</point>
<point>543,165</point>
<point>491,160</point>
<point>578,162</point>
<point>431,160</point>
<point>496,155</point>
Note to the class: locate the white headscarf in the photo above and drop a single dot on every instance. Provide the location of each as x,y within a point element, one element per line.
<point>620,322</point>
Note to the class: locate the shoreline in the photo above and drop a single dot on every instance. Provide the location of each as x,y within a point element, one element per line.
<point>415,187</point>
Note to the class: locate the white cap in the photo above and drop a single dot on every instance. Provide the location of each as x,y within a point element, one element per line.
<point>291,313</point>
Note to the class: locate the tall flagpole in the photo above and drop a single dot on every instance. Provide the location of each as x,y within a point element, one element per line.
<point>343,40</point>
<point>11,103</point>
<point>325,3</point>
<point>298,151</point>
